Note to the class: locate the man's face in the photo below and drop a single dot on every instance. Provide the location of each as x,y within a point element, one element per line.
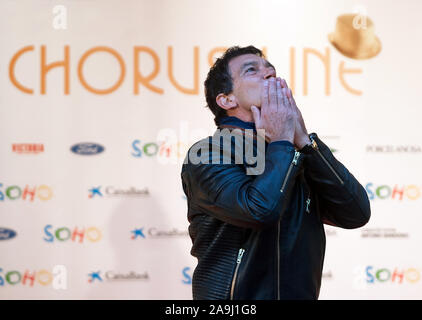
<point>248,73</point>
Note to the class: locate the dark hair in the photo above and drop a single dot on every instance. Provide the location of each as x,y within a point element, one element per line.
<point>219,79</point>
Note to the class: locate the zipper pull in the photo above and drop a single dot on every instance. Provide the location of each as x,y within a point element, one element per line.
<point>308,202</point>
<point>296,157</point>
<point>240,255</point>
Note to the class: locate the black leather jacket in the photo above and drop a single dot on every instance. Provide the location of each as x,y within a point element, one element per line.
<point>262,236</point>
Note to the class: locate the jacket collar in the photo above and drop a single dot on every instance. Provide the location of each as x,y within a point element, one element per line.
<point>234,122</point>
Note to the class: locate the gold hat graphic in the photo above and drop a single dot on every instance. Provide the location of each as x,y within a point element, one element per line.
<point>355,39</point>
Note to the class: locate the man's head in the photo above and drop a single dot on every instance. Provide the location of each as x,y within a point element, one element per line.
<point>234,82</point>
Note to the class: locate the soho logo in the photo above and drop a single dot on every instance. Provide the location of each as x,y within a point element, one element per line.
<point>396,275</point>
<point>368,276</point>
<point>91,234</point>
<point>398,192</point>
<point>245,147</point>
<point>187,275</point>
<point>57,277</point>
<point>170,146</point>
<point>14,192</point>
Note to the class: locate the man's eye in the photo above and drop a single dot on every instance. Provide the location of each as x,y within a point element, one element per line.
<point>250,69</point>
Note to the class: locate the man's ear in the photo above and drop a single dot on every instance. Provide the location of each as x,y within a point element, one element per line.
<point>226,102</point>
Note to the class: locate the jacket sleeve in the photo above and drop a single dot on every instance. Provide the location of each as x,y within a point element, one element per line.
<point>343,201</point>
<point>226,192</point>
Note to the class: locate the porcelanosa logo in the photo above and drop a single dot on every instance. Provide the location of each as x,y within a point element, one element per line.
<point>87,148</point>
<point>393,149</point>
<point>396,192</point>
<point>156,233</point>
<point>27,193</point>
<point>113,276</point>
<point>110,191</point>
<point>383,233</point>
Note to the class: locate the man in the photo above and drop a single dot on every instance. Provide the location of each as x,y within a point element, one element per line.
<point>262,236</point>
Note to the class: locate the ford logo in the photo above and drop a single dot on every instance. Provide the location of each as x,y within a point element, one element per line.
<point>7,234</point>
<point>87,148</point>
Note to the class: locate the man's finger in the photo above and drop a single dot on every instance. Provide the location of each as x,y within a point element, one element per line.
<point>272,93</point>
<point>256,116</point>
<point>264,96</point>
<point>279,94</point>
<point>286,101</point>
<point>291,99</point>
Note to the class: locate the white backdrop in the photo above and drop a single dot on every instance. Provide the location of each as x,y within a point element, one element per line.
<point>129,78</point>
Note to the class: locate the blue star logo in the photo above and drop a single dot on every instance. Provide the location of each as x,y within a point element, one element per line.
<point>95,191</point>
<point>138,233</point>
<point>94,275</point>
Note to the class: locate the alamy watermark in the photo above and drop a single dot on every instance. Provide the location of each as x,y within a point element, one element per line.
<point>243,146</point>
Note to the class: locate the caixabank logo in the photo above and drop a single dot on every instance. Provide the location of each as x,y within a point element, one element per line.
<point>55,277</point>
<point>98,192</point>
<point>81,235</point>
<point>28,193</point>
<point>115,276</point>
<point>396,192</point>
<point>139,233</point>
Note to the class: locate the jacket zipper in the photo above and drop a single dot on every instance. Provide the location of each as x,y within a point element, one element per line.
<point>329,166</point>
<point>308,202</point>
<point>294,162</point>
<point>238,261</point>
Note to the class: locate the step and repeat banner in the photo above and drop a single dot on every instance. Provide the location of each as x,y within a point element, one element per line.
<point>99,101</point>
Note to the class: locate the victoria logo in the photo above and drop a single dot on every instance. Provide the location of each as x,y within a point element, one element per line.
<point>87,148</point>
<point>6,234</point>
<point>25,148</point>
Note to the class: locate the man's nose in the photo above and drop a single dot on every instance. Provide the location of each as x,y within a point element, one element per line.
<point>269,72</point>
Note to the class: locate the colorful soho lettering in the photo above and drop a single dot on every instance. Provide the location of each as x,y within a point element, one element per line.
<point>163,149</point>
<point>42,192</point>
<point>91,234</point>
<point>14,277</point>
<point>411,192</point>
<point>411,275</point>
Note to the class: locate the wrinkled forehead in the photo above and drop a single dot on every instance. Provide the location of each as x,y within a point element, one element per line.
<point>238,63</point>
